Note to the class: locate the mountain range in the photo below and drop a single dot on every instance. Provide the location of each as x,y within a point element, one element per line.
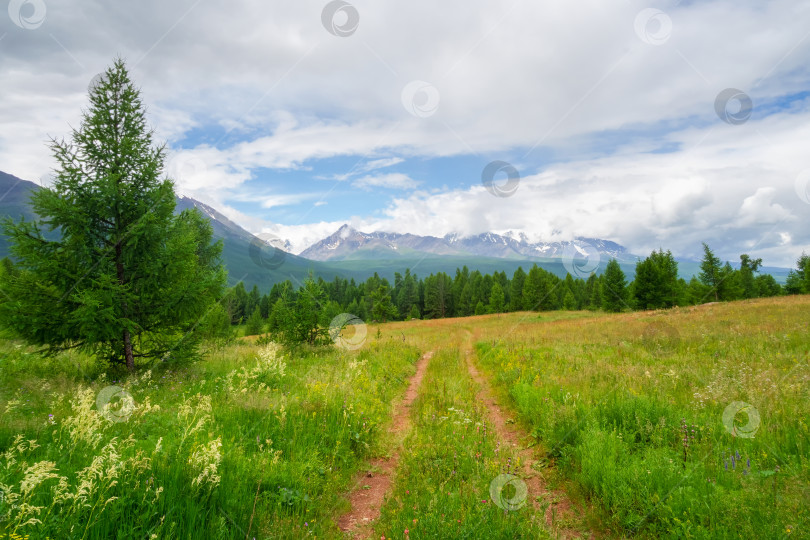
<point>348,243</point>
<point>349,253</point>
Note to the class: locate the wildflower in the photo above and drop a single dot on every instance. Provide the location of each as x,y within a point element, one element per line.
<point>37,474</point>
<point>205,460</point>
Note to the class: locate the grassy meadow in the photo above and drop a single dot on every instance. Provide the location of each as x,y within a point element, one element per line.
<point>625,412</point>
<point>253,442</point>
<point>631,409</point>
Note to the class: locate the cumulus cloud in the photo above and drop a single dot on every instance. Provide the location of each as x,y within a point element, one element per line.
<point>645,201</point>
<point>759,209</point>
<point>252,86</point>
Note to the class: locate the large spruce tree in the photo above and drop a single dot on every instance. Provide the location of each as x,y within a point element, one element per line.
<point>711,271</point>
<point>127,278</point>
<point>614,288</point>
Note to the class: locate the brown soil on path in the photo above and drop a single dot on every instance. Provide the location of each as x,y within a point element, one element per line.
<point>559,508</point>
<point>372,484</point>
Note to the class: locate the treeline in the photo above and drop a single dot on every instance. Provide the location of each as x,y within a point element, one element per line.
<point>303,312</point>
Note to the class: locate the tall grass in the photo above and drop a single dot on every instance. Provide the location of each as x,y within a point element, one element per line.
<point>632,409</point>
<point>253,442</point>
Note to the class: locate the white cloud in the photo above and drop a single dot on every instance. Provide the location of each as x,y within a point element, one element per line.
<point>759,209</point>
<point>390,181</point>
<point>272,201</point>
<point>263,85</point>
<point>645,201</point>
<point>380,163</point>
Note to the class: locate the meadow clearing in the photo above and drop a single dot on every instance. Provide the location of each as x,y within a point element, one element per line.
<point>681,423</point>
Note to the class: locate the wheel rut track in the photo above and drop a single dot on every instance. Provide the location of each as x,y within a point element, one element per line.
<point>374,483</point>
<point>560,505</point>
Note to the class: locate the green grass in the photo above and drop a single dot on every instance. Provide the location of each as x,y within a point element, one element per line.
<point>266,443</point>
<point>203,446</point>
<point>448,463</point>
<point>611,398</point>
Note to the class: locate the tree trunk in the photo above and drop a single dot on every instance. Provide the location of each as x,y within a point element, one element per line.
<point>119,267</point>
<point>128,351</point>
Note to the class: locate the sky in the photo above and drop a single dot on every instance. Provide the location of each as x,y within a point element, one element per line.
<point>651,124</point>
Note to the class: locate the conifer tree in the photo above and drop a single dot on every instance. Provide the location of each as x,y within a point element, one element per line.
<point>614,288</point>
<point>126,278</point>
<point>497,300</point>
<point>516,289</point>
<point>656,282</point>
<point>711,271</point>
<point>255,324</point>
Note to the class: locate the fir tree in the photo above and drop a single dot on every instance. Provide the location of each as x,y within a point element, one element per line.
<point>711,271</point>
<point>126,278</point>
<point>656,282</point>
<point>383,307</point>
<point>516,290</point>
<point>255,324</point>
<point>614,288</point>
<point>496,299</point>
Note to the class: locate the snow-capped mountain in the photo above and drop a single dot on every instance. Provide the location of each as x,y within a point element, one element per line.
<point>348,243</point>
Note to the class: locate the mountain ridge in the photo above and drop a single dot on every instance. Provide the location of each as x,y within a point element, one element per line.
<point>348,243</point>
<point>255,261</point>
